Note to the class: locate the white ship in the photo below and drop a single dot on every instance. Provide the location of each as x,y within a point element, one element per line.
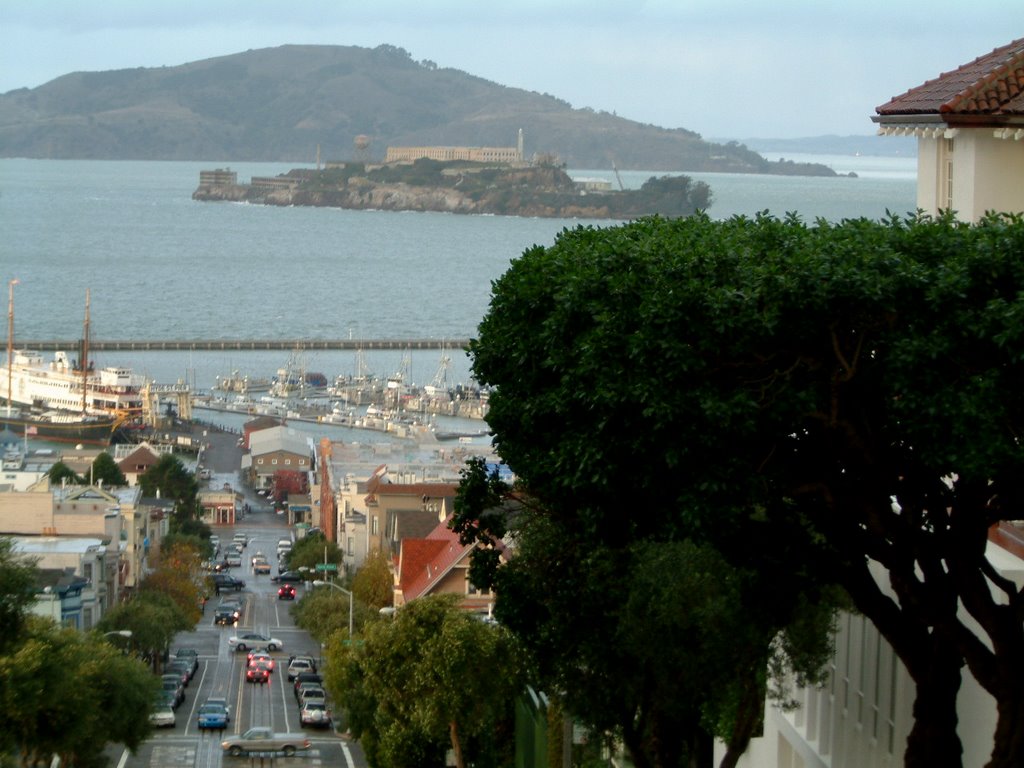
<point>63,386</point>
<point>57,386</point>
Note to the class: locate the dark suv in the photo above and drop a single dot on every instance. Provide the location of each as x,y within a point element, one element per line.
<point>226,583</point>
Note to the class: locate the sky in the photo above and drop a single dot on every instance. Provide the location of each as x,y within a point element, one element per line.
<point>727,69</point>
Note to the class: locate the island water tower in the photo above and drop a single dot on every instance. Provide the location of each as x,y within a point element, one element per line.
<point>361,143</point>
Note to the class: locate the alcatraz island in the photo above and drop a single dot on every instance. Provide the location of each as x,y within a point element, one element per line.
<point>470,180</point>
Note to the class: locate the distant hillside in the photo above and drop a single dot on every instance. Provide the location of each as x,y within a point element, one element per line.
<point>279,104</point>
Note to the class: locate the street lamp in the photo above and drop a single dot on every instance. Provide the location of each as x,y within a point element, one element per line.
<point>319,583</point>
<point>126,633</point>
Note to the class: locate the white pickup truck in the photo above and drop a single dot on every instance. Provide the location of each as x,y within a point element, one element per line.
<point>257,740</point>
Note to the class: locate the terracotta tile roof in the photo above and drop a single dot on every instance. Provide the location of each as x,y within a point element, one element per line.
<point>423,562</point>
<point>991,85</point>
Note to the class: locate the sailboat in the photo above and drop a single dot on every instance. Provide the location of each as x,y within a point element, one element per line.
<point>54,424</point>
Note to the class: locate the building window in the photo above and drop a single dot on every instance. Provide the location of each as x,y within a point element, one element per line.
<point>287,462</point>
<point>274,462</point>
<point>87,572</point>
<point>259,461</point>
<point>374,526</point>
<point>351,546</point>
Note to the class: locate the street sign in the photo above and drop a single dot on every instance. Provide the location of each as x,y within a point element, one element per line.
<point>327,566</point>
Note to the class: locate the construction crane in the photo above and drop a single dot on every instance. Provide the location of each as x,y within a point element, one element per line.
<point>617,177</point>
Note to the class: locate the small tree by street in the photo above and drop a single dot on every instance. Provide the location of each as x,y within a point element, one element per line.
<point>432,678</point>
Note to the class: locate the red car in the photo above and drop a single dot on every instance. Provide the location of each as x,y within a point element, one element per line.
<point>287,592</point>
<point>257,674</point>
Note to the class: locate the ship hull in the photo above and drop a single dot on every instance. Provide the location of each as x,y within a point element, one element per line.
<point>97,431</point>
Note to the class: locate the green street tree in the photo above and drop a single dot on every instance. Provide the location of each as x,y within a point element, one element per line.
<point>373,584</point>
<point>432,678</point>
<point>68,694</point>
<point>772,388</point>
<point>62,473</point>
<point>17,592</point>
<point>105,470</point>
<point>310,550</point>
<point>153,617</point>
<point>170,477</point>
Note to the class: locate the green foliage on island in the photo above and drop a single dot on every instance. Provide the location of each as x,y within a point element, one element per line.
<point>468,187</point>
<point>282,104</point>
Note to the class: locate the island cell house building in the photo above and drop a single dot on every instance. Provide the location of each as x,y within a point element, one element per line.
<point>969,125</point>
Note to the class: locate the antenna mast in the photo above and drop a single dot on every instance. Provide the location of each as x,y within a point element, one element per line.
<point>85,353</point>
<point>10,339</point>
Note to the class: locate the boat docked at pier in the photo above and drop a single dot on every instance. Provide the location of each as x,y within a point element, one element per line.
<point>60,426</point>
<point>62,400</point>
<point>240,384</point>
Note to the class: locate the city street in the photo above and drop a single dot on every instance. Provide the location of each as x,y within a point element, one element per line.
<point>222,673</point>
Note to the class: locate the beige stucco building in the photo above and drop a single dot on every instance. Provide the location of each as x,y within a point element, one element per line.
<point>969,125</point>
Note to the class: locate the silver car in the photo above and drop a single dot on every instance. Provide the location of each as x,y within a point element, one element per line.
<point>265,740</point>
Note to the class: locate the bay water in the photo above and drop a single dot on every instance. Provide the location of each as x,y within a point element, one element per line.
<point>162,266</point>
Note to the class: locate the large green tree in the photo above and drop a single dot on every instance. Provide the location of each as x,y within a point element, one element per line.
<point>68,694</point>
<point>809,399</point>
<point>105,470</point>
<point>431,678</point>
<point>17,592</point>
<point>173,481</point>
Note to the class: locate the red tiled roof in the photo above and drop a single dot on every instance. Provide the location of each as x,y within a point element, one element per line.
<point>992,84</point>
<point>424,561</point>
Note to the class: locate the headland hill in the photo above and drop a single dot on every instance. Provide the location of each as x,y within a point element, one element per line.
<point>280,104</point>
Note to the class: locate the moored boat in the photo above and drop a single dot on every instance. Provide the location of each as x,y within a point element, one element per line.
<point>61,426</point>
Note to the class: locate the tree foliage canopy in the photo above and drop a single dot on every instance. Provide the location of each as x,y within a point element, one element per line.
<point>68,694</point>
<point>771,387</point>
<point>105,470</point>
<point>430,678</point>
<point>170,477</point>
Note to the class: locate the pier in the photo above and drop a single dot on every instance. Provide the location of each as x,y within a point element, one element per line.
<point>239,345</point>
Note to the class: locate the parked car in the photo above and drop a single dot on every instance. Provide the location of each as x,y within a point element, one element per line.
<point>265,740</point>
<point>307,678</point>
<point>212,716</point>
<point>257,674</point>
<point>162,716</point>
<point>311,692</point>
<point>172,683</point>
<point>287,576</point>
<point>190,655</point>
<point>254,640</point>
<point>286,592</point>
<point>260,565</point>
<point>315,713</point>
<point>241,539</point>
<point>234,560</point>
<point>179,667</point>
<point>300,664</point>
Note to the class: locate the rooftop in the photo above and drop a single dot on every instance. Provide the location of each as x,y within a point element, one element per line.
<point>990,86</point>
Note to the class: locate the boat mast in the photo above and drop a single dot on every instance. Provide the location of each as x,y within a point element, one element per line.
<point>85,353</point>
<point>10,339</point>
